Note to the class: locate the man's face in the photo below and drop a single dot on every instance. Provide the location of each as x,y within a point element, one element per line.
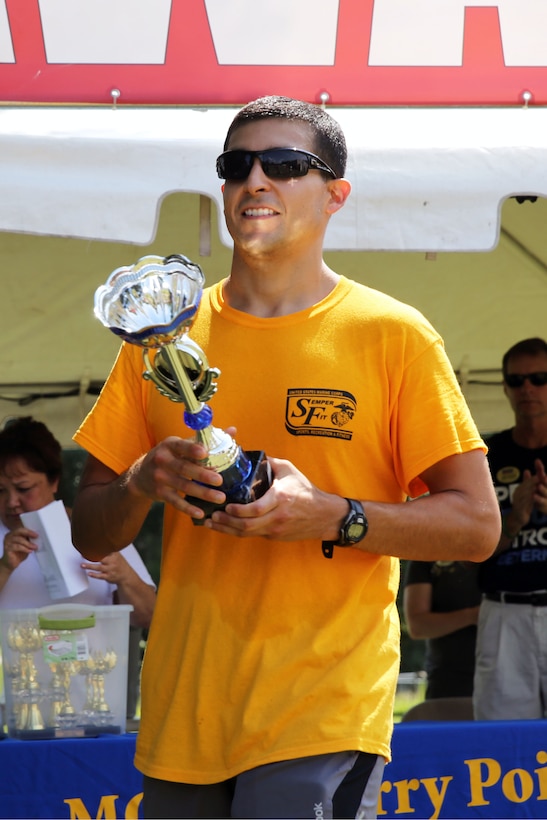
<point>23,490</point>
<point>528,400</point>
<point>266,216</point>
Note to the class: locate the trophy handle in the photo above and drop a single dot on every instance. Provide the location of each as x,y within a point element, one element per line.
<point>198,372</point>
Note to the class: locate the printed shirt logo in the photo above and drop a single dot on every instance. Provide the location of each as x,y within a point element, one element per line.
<point>318,412</point>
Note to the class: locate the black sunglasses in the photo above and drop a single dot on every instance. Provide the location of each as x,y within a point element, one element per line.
<point>277,163</point>
<point>517,379</point>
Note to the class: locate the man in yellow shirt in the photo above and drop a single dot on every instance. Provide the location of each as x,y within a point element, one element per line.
<point>273,655</point>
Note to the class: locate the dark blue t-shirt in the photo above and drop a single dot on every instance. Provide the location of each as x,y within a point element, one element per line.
<point>523,567</point>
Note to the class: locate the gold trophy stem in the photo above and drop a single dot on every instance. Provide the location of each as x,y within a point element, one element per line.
<point>187,392</point>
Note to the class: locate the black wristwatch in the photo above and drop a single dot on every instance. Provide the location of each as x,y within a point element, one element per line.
<point>353,529</point>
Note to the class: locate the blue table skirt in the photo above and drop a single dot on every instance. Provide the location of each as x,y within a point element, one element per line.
<point>439,770</point>
<point>76,778</point>
<point>463,769</point>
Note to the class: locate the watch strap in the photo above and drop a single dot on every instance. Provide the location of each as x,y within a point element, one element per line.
<point>327,547</point>
<point>356,512</point>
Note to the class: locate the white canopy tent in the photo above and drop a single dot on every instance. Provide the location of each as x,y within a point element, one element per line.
<point>423,179</point>
<point>85,190</point>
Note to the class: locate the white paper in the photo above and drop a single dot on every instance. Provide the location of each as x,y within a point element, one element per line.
<point>56,555</point>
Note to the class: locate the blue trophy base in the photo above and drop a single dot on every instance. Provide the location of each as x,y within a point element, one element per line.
<point>253,487</point>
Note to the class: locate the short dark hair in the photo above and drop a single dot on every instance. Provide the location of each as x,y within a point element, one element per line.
<point>527,347</point>
<point>35,443</point>
<point>328,137</point>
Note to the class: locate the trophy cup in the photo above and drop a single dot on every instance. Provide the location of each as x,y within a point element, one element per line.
<point>24,638</point>
<point>95,668</point>
<point>153,304</point>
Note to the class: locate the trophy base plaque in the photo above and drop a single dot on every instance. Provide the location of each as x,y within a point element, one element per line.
<point>254,486</point>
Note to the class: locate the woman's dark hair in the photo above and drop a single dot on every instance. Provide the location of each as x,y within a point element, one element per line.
<point>31,440</point>
<point>329,140</point>
<point>527,347</point>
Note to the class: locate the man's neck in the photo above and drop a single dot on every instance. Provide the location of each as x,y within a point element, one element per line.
<point>265,293</point>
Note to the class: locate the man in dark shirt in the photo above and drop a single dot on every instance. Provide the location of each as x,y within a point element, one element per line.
<point>441,604</point>
<point>511,663</point>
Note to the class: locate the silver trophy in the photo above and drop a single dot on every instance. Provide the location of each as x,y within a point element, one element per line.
<point>153,304</point>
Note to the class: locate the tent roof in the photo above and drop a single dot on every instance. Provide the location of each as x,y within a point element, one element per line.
<point>424,179</point>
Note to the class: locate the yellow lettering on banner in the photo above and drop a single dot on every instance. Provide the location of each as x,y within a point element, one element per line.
<point>509,786</point>
<point>516,785</point>
<point>385,788</point>
<point>541,757</point>
<point>404,787</point>
<point>132,808</point>
<point>436,795</point>
<point>476,782</point>
<point>106,810</point>
<point>77,808</point>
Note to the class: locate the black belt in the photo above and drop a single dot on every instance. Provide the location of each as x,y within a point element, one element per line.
<point>530,598</point>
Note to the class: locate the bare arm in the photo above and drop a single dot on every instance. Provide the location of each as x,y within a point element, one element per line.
<point>131,589</point>
<point>458,520</point>
<point>423,623</point>
<point>110,509</point>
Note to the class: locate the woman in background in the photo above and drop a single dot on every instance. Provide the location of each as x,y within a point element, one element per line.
<point>30,471</point>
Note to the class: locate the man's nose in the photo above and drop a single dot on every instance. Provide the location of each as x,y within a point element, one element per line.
<point>257,178</point>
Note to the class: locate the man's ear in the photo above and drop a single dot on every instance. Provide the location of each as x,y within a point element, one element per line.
<point>340,189</point>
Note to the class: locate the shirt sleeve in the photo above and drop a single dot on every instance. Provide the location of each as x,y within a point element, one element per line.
<point>115,430</point>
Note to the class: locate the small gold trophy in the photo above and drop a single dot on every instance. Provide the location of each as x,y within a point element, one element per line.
<point>24,638</point>
<point>153,304</point>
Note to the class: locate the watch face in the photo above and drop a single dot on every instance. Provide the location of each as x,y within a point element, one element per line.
<point>355,526</point>
<point>355,531</point>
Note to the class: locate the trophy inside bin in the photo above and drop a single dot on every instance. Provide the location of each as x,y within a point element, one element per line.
<point>24,639</point>
<point>153,304</point>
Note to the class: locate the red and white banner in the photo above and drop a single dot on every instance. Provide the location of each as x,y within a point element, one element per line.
<point>207,52</point>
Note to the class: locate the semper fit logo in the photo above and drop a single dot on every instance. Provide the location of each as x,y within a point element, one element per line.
<point>320,412</point>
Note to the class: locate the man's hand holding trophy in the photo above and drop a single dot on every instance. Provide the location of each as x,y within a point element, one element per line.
<point>153,304</point>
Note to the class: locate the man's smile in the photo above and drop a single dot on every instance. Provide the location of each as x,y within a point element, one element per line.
<point>254,212</point>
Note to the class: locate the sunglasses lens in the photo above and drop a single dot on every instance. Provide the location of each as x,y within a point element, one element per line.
<point>284,164</point>
<point>234,164</point>
<point>517,379</point>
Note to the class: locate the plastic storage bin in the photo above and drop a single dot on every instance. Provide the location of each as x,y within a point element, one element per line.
<point>65,670</point>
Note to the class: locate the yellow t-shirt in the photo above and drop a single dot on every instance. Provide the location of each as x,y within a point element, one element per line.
<point>260,650</point>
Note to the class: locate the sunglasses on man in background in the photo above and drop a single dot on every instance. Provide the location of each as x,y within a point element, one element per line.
<point>517,379</point>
